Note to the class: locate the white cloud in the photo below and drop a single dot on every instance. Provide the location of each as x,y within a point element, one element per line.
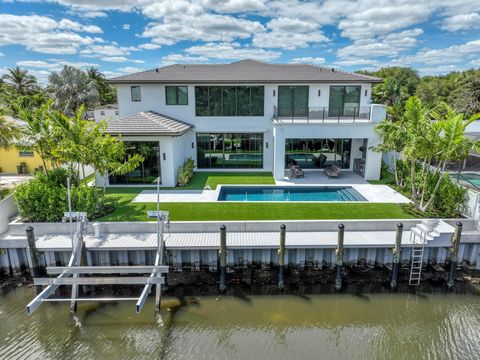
<point>444,56</point>
<point>235,6</point>
<point>149,46</point>
<point>129,69</point>
<point>285,33</point>
<point>180,59</point>
<point>110,50</point>
<point>309,60</point>
<point>231,51</point>
<point>126,26</point>
<point>93,14</point>
<point>390,45</point>
<point>43,34</point>
<point>204,27</point>
<point>462,22</point>
<point>120,59</point>
<point>66,24</point>
<point>2,54</point>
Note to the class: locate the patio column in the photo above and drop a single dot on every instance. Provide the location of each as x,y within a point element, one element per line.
<point>373,160</point>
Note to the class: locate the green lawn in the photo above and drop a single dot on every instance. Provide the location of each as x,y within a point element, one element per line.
<point>125,210</point>
<point>386,178</point>
<point>212,179</point>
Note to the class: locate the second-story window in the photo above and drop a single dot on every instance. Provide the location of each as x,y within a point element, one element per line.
<point>229,100</point>
<point>344,101</point>
<point>293,101</point>
<point>136,94</point>
<point>102,113</point>
<point>176,95</point>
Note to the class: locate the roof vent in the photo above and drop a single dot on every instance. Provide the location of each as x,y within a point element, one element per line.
<point>156,70</point>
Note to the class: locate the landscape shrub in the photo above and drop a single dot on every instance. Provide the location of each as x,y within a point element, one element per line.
<point>45,199</point>
<point>185,172</point>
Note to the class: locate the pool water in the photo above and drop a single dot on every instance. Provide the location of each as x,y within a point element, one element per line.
<point>289,193</point>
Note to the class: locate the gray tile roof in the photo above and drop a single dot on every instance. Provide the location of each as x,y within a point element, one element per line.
<point>147,123</point>
<point>245,71</point>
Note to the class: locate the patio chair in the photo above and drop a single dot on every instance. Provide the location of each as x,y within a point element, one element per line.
<point>296,172</point>
<point>333,171</point>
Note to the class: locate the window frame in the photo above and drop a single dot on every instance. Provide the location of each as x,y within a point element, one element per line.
<point>176,87</point>
<point>207,90</point>
<point>139,93</point>
<point>26,154</point>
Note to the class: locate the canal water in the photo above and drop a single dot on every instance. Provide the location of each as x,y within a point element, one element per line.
<point>377,326</point>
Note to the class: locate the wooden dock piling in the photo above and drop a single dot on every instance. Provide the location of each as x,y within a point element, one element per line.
<point>454,257</point>
<point>339,253</point>
<point>281,258</point>
<point>397,252</point>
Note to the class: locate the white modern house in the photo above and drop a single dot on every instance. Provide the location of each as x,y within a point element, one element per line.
<point>246,116</point>
<point>106,112</point>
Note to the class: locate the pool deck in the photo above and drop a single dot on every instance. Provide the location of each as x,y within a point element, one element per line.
<point>373,193</point>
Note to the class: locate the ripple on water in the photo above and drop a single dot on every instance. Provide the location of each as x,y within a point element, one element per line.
<point>327,327</point>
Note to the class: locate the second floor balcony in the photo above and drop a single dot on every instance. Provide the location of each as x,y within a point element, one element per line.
<point>329,115</point>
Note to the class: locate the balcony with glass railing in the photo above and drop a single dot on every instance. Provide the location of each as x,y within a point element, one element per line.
<point>328,115</point>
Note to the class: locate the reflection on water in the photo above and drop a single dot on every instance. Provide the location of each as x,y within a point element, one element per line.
<point>398,326</point>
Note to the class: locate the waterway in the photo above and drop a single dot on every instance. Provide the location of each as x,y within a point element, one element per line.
<point>374,326</point>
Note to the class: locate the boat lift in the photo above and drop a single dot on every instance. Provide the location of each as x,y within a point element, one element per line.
<point>77,272</point>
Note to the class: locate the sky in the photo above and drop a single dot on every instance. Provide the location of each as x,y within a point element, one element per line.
<point>124,36</point>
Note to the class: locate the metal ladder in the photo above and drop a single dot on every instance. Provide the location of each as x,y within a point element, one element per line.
<point>418,238</point>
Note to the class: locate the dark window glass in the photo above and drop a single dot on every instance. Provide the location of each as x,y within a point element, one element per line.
<point>230,150</point>
<point>344,101</point>
<point>201,101</point>
<point>148,171</point>
<point>176,95</point>
<point>317,153</point>
<point>229,100</point>
<point>135,92</point>
<point>293,101</point>
<point>257,100</point>
<point>216,101</point>
<point>243,101</point>
<point>25,153</point>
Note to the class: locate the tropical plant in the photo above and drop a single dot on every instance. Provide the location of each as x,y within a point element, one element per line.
<point>20,80</point>
<point>107,93</point>
<point>8,130</point>
<point>72,88</point>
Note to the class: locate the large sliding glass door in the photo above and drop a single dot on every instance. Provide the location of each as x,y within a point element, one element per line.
<point>147,172</point>
<point>229,150</point>
<point>344,101</point>
<point>317,153</point>
<point>293,101</point>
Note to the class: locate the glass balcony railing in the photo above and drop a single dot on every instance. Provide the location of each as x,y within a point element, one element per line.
<point>323,114</point>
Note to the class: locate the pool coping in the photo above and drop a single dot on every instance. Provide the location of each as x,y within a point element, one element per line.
<point>372,193</point>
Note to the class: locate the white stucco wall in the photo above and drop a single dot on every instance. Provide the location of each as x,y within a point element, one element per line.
<point>153,99</point>
<point>108,114</point>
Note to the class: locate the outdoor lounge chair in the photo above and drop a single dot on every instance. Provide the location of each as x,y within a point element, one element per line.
<point>296,172</point>
<point>333,171</point>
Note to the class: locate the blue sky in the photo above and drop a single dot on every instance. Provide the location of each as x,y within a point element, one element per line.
<point>124,36</point>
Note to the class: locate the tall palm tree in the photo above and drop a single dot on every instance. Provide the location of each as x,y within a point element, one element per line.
<point>20,80</point>
<point>72,88</point>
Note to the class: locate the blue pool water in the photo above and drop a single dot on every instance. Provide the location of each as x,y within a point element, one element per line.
<point>289,193</point>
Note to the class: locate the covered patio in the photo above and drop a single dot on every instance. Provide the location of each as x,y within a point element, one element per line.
<point>318,177</point>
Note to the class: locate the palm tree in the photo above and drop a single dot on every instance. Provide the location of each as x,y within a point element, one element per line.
<point>8,130</point>
<point>107,93</point>
<point>20,80</point>
<point>72,88</point>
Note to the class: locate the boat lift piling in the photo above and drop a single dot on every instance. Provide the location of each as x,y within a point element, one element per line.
<point>339,253</point>
<point>281,258</point>
<point>223,258</point>
<point>397,253</point>
<point>454,251</point>
<point>33,256</point>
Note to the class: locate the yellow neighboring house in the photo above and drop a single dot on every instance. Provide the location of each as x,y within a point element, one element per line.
<point>13,161</point>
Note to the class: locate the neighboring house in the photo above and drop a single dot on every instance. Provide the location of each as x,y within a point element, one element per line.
<point>13,161</point>
<point>106,112</point>
<point>246,116</point>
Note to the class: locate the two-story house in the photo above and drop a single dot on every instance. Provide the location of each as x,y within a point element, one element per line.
<point>246,116</point>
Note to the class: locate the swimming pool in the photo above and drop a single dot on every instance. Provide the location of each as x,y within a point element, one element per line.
<point>289,193</point>
<point>469,179</point>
